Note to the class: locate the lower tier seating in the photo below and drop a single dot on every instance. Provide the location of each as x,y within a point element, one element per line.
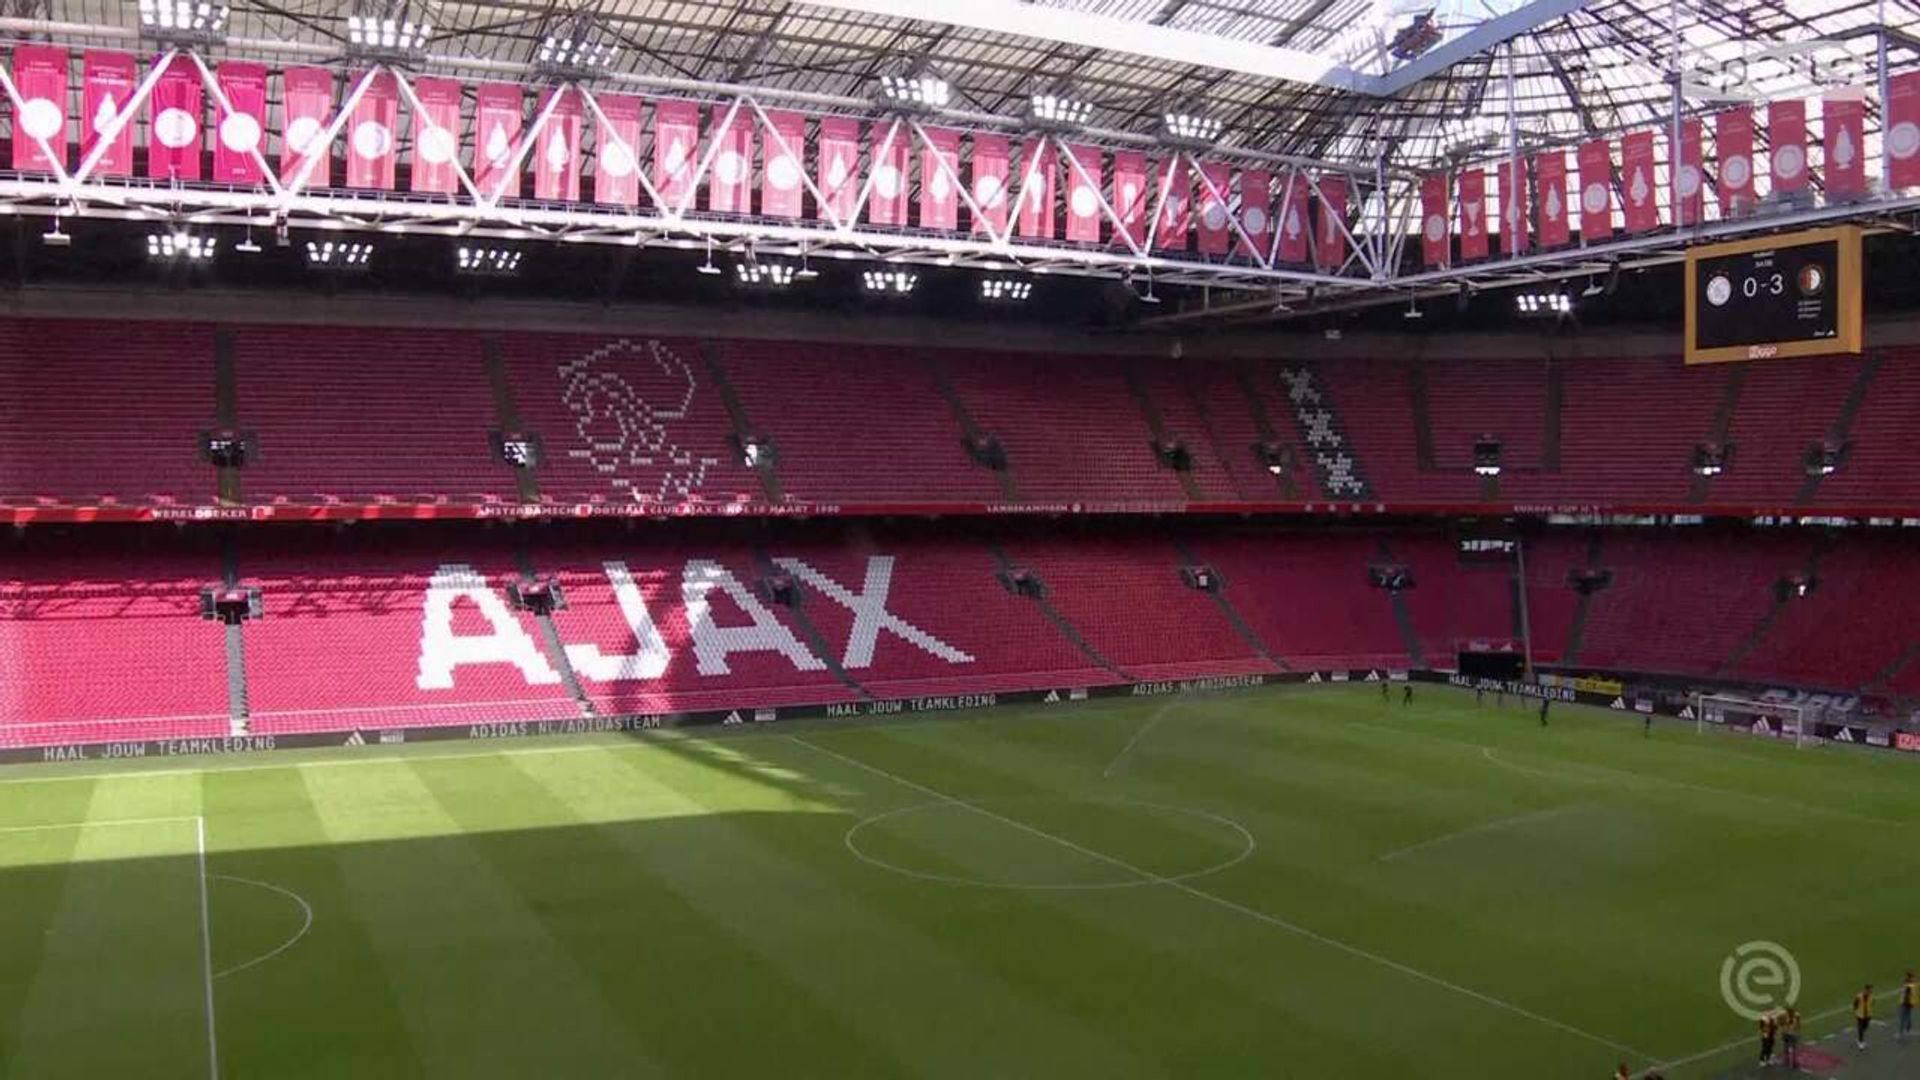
<point>372,627</point>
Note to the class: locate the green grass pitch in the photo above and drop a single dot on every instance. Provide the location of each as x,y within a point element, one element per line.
<point>1290,882</point>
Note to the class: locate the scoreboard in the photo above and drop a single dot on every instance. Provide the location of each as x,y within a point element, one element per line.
<point>1796,294</point>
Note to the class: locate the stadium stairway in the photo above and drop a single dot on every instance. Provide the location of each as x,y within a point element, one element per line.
<point>506,418</point>
<point>970,431</point>
<point>1702,487</point>
<point>1162,438</point>
<point>767,465</point>
<point>1841,429</point>
<point>1009,569</point>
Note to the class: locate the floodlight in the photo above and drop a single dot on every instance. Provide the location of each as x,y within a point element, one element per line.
<point>1006,290</point>
<point>1543,305</point>
<point>193,20</point>
<point>1190,131</point>
<point>339,255</point>
<point>890,282</point>
<point>180,245</point>
<point>488,261</point>
<point>765,275</point>
<point>1058,111</point>
<point>915,91</point>
<point>387,33</point>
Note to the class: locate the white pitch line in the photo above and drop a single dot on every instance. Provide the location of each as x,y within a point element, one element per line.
<point>306,913</point>
<point>1234,906</point>
<point>90,824</point>
<point>1483,827</point>
<point>206,949</point>
<point>1137,736</point>
<point>1636,779</point>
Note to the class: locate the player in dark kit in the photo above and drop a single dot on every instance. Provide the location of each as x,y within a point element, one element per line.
<point>1545,704</point>
<point>1790,1035</point>
<point>1406,694</point>
<point>1769,1028</point>
<point>1909,999</point>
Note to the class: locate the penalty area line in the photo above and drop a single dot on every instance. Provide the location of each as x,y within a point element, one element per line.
<point>1233,905</point>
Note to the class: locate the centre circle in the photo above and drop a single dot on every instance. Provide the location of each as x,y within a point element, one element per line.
<point>1023,843</point>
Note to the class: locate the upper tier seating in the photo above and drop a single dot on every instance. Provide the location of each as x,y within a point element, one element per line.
<point>99,412</point>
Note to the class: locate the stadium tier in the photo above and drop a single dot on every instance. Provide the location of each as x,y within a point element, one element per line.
<point>386,626</point>
<point>642,424</point>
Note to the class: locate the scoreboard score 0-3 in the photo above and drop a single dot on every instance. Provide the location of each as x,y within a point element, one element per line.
<point>1796,294</point>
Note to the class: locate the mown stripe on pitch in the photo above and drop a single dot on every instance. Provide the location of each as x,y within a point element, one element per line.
<point>33,879</point>
<point>781,883</point>
<point>484,989</point>
<point>702,1002</point>
<point>324,1008</point>
<point>119,989</point>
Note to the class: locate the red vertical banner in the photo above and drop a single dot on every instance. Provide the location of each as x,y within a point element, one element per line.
<point>989,183</point>
<point>1130,191</point>
<point>1843,138</point>
<point>616,151</point>
<point>175,113</point>
<point>783,186</point>
<point>888,143</point>
<point>1436,238</point>
<point>940,179</point>
<point>556,158</point>
<point>241,125</point>
<point>1329,236</point>
<point>1256,213</point>
<point>1037,171</point>
<point>109,79</point>
<point>676,151</point>
<point>1689,183</point>
<point>1512,198</point>
<point>1733,148</point>
<point>730,180</point>
<point>499,114</point>
<point>40,74</point>
<point>1083,193</point>
<point>1787,164</point>
<point>1596,191</point>
<point>307,108</point>
<point>1553,212</point>
<point>839,168</point>
<point>1473,215</point>
<point>1173,195</point>
<point>1903,129</point>
<point>436,137</point>
<point>373,140</point>
<point>1639,203</point>
<point>1215,217</point>
<point>1292,220</point>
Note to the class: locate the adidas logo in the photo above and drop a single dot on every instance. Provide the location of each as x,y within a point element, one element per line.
<point>1315,677</point>
<point>1686,713</point>
<point>1372,676</point>
<point>1052,696</point>
<point>1618,703</point>
<point>355,739</point>
<point>1843,735</point>
<point>732,717</point>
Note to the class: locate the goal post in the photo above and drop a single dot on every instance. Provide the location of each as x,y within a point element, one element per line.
<point>1778,719</point>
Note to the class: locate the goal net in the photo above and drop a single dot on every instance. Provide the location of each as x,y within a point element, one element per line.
<point>1775,719</point>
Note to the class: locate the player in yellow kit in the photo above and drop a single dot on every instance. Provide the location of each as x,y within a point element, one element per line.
<point>1862,1015</point>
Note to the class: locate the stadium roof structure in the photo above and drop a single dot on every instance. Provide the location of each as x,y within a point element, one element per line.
<point>1380,90</point>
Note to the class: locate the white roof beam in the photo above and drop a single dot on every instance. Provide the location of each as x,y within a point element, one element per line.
<point>1132,36</point>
